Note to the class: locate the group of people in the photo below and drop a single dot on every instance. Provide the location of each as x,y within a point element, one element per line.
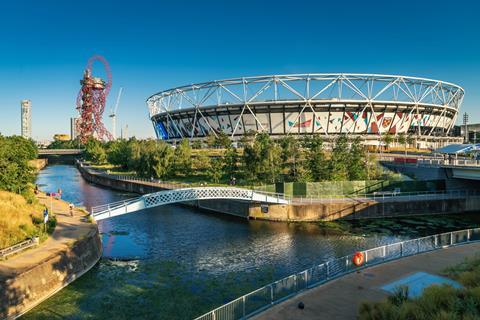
<point>57,195</point>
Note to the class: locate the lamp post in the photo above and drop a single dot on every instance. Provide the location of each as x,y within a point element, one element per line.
<point>465,123</point>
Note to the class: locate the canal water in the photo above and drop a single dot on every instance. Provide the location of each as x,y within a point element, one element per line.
<point>174,262</point>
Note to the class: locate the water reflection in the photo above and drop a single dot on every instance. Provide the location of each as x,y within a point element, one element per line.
<point>188,250</point>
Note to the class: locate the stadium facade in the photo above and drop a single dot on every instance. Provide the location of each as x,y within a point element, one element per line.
<point>366,105</point>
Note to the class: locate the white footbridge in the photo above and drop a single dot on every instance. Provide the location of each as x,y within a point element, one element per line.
<point>183,195</point>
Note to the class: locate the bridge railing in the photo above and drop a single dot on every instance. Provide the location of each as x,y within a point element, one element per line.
<point>433,160</point>
<point>191,194</point>
<point>263,298</point>
<point>277,195</point>
<point>114,205</point>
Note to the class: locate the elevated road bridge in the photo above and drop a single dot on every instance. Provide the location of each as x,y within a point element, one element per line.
<point>436,168</point>
<point>53,152</point>
<point>160,198</point>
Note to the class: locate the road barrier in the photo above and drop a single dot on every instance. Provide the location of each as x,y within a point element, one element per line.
<point>278,291</point>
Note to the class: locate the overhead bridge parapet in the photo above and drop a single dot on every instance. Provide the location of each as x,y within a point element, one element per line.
<point>184,195</point>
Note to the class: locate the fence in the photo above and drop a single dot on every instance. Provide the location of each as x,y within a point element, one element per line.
<point>393,196</point>
<point>18,247</point>
<point>271,294</point>
<point>435,160</point>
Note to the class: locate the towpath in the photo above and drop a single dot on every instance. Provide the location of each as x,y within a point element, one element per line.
<point>340,298</point>
<point>68,230</point>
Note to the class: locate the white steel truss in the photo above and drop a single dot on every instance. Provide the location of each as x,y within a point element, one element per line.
<point>424,100</point>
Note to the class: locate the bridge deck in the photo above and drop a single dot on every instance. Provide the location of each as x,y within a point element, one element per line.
<point>182,195</point>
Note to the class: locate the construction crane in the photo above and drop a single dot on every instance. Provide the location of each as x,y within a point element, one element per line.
<point>113,114</point>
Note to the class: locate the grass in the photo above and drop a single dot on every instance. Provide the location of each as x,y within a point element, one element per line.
<point>436,302</point>
<point>21,219</point>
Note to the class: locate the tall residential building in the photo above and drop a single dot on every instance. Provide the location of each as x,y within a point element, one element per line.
<point>26,118</point>
<point>74,124</point>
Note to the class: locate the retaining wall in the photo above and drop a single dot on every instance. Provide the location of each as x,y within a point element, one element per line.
<point>350,210</point>
<point>24,290</point>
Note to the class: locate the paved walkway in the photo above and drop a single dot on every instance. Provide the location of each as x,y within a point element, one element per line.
<point>340,299</point>
<point>67,231</point>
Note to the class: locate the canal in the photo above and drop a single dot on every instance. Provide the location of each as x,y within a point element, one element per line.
<point>174,262</point>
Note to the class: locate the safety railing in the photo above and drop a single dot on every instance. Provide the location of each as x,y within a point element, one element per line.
<point>114,205</point>
<point>391,196</point>
<point>18,247</point>
<point>184,195</point>
<point>432,160</point>
<point>278,291</point>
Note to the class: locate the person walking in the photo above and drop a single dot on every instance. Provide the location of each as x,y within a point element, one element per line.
<point>71,206</point>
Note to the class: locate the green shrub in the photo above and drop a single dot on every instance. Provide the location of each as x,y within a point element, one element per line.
<point>436,302</point>
<point>399,296</point>
<point>469,279</point>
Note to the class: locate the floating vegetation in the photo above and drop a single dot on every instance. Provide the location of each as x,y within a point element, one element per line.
<point>118,233</point>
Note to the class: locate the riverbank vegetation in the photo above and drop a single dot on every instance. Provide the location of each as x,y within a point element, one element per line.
<point>436,302</point>
<point>20,219</point>
<point>20,213</point>
<point>259,159</point>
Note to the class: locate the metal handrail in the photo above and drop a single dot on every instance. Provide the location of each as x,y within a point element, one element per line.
<point>386,195</point>
<point>187,194</point>
<point>5,252</point>
<point>256,301</point>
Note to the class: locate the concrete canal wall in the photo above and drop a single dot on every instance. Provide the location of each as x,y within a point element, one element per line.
<point>350,210</point>
<point>32,276</point>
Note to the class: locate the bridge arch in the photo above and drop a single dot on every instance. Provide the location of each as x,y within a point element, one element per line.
<point>183,195</point>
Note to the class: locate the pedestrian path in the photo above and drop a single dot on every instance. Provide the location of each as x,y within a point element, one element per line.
<point>68,230</point>
<point>340,298</point>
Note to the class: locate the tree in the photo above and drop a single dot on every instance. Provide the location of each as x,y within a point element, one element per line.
<point>357,162</point>
<point>182,161</point>
<point>340,159</point>
<point>387,139</point>
<point>70,144</point>
<point>247,138</point>
<point>134,147</point>
<point>290,155</point>
<point>16,174</point>
<point>262,159</point>
<point>401,140</point>
<point>222,140</point>
<point>214,171</point>
<point>231,161</point>
<point>197,144</point>
<point>118,153</point>
<point>210,140</point>
<point>201,162</point>
<point>95,152</point>
<point>316,162</point>
<point>152,158</point>
<point>410,140</point>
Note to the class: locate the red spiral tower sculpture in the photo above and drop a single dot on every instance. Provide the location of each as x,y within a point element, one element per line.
<point>91,102</point>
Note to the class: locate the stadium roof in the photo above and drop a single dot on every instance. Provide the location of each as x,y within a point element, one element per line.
<point>458,148</point>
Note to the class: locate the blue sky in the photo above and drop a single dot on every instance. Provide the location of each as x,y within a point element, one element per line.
<point>156,45</point>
